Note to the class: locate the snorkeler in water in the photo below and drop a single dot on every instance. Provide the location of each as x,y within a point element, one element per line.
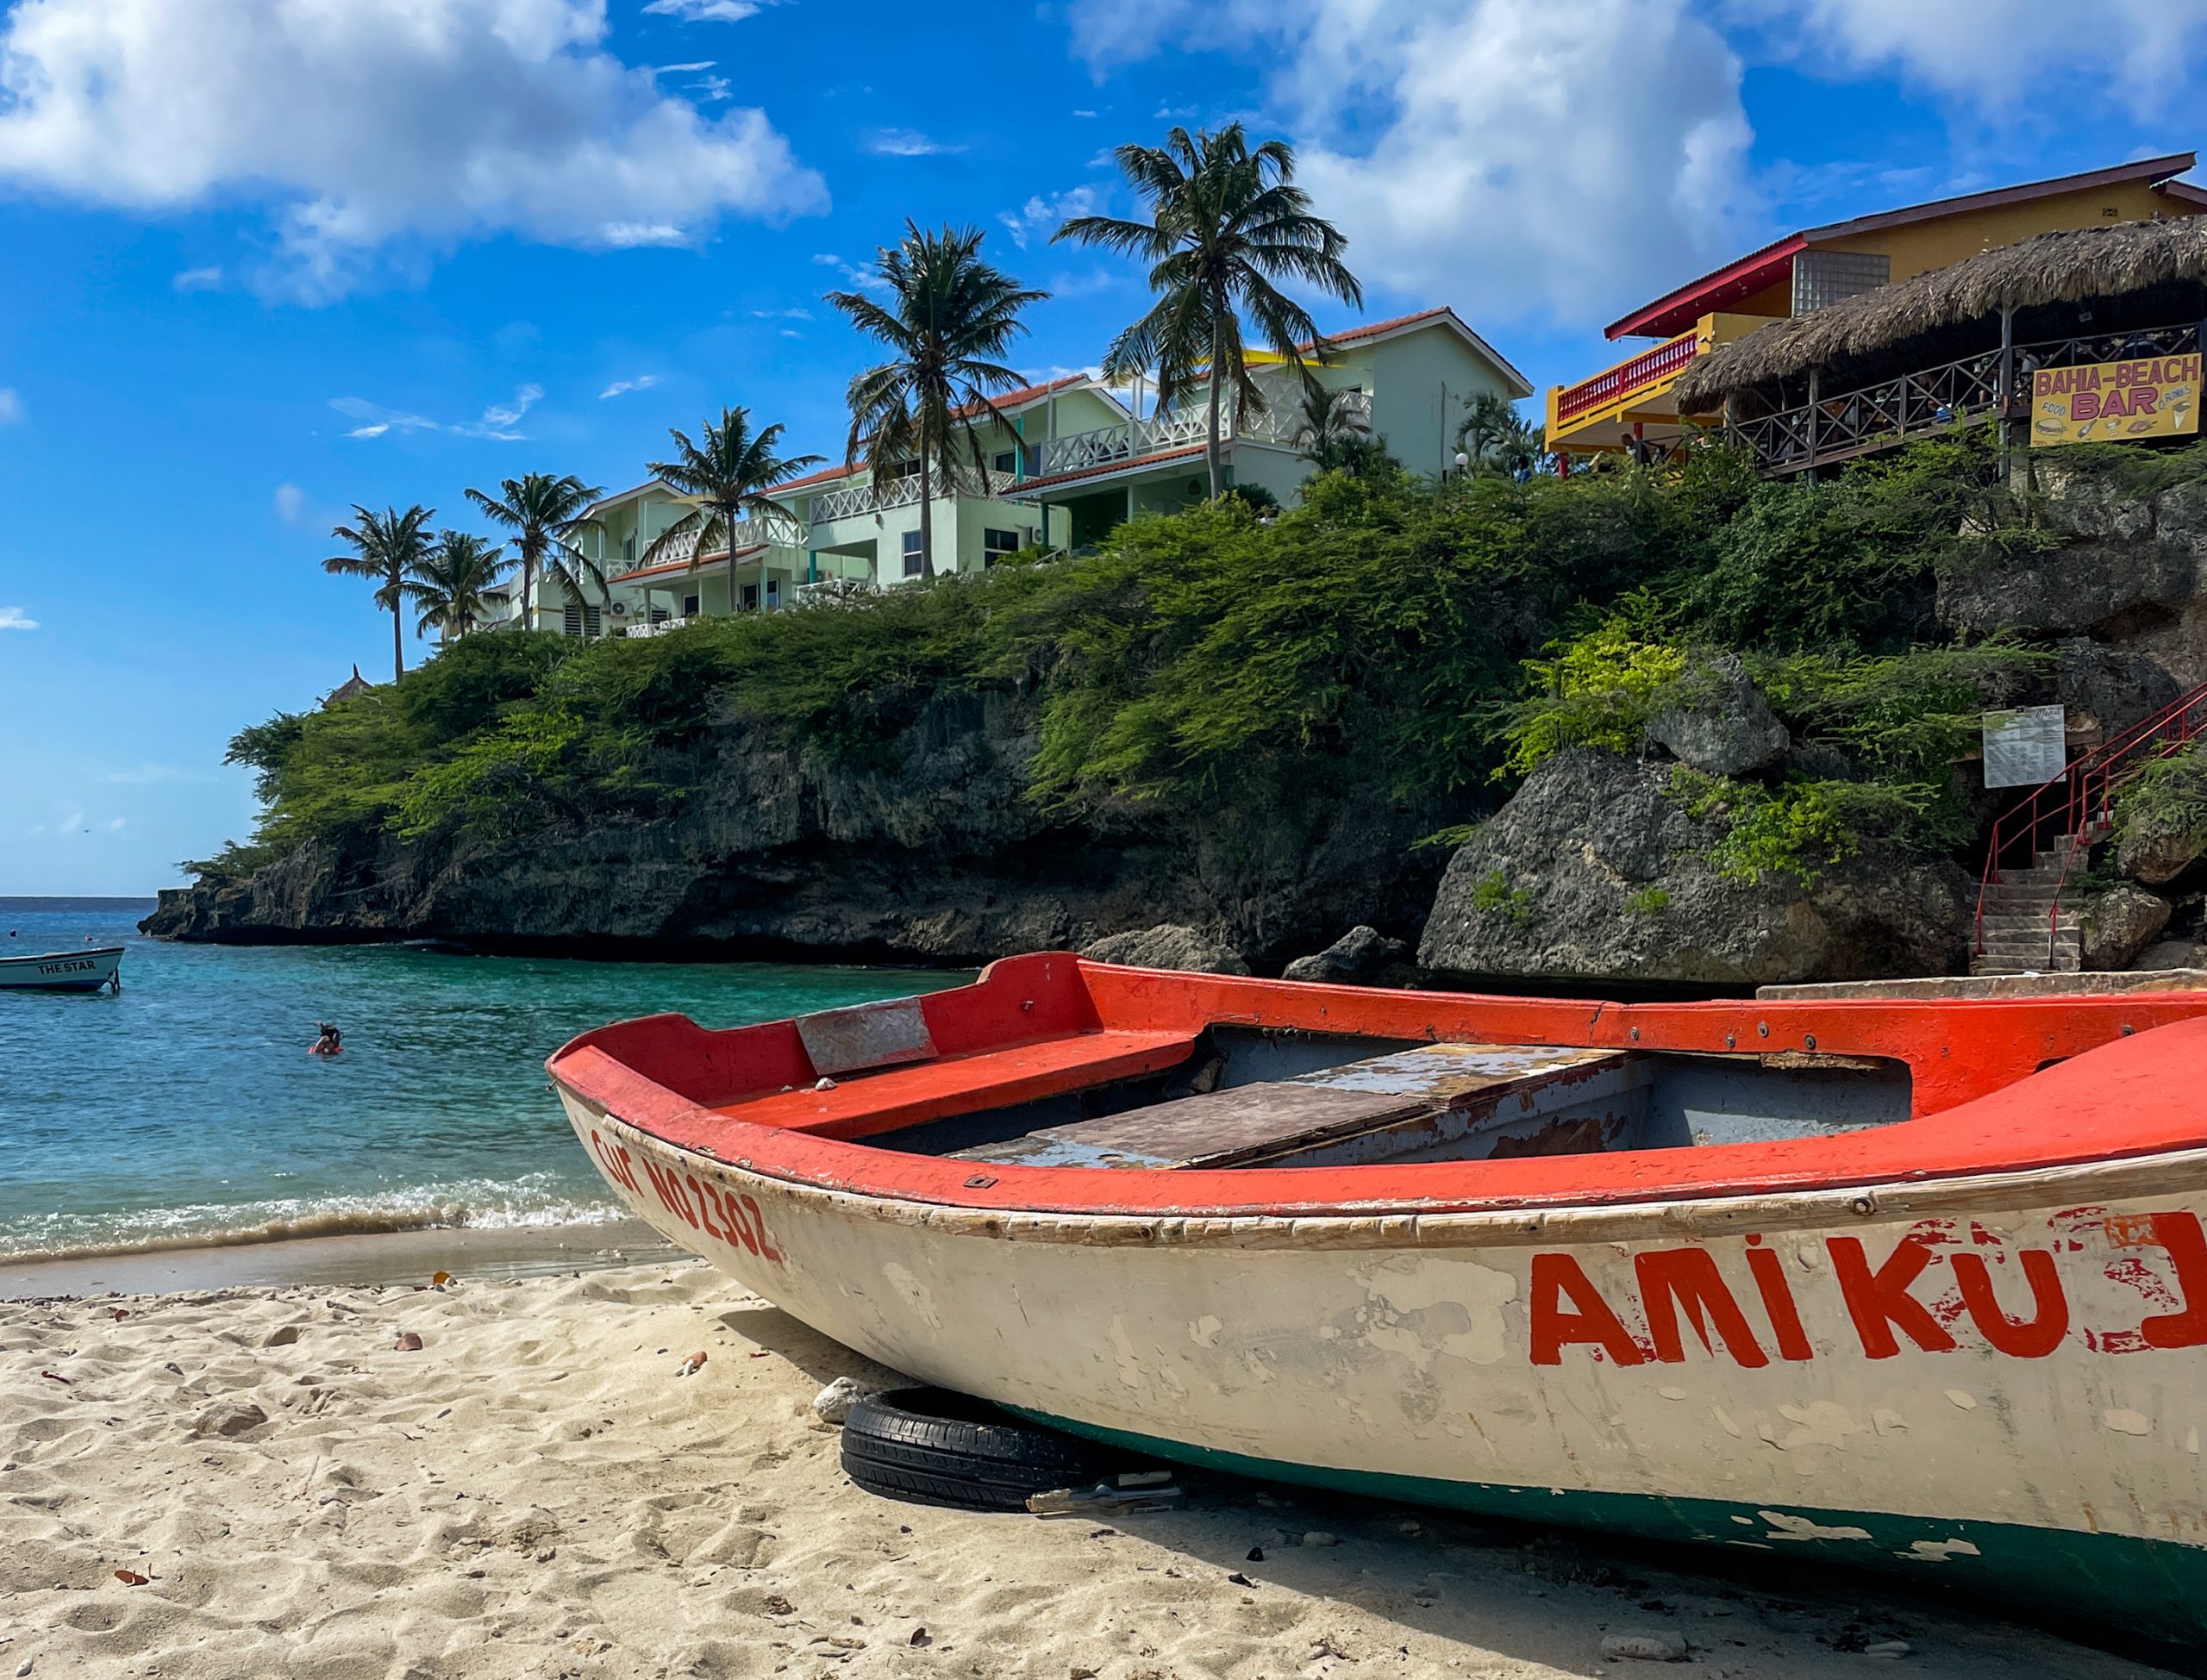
<point>327,1043</point>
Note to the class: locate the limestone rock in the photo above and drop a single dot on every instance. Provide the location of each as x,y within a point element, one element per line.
<point>1357,958</point>
<point>2153,854</point>
<point>2118,924</point>
<point>2163,955</point>
<point>2109,688</point>
<point>229,1418</point>
<point>1592,871</point>
<point>1168,944</point>
<point>1719,722</point>
<point>930,851</point>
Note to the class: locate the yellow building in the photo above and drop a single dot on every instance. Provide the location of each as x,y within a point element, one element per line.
<point>1629,404</point>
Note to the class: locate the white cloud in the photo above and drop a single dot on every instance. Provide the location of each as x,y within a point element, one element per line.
<point>198,279</point>
<point>1038,218</point>
<point>1993,52</point>
<point>622,387</point>
<point>13,618</point>
<point>11,408</point>
<point>794,312</point>
<point>906,143</point>
<point>291,502</point>
<point>115,824</point>
<point>372,126</point>
<point>706,11</point>
<point>497,423</point>
<point>500,418</point>
<point>1515,157</point>
<point>866,279</point>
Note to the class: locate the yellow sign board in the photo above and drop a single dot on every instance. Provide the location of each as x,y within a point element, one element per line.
<point>2156,396</point>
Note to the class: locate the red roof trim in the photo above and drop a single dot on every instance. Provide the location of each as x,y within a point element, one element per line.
<point>661,570</point>
<point>1675,309</point>
<point>1743,279</point>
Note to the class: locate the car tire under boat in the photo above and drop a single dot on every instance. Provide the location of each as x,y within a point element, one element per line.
<point>930,1447</point>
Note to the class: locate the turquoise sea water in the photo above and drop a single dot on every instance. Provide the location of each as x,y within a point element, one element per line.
<point>187,1107</point>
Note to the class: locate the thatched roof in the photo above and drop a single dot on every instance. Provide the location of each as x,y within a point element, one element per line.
<point>2046,268</point>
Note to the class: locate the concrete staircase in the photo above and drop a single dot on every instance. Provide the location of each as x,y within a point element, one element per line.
<point>2022,935</point>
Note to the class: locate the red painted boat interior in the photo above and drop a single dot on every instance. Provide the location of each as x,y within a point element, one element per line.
<point>1994,1085</point>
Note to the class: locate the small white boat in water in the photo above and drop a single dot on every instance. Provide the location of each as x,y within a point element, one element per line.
<point>63,970</point>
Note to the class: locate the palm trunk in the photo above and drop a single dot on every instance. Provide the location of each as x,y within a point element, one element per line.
<point>926,521</point>
<point>1211,443</point>
<point>527,584</point>
<point>398,629</point>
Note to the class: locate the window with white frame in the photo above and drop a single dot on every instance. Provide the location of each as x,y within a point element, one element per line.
<point>1007,460</point>
<point>751,597</point>
<point>911,553</point>
<point>690,606</point>
<point>995,544</point>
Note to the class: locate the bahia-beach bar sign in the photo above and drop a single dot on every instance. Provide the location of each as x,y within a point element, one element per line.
<point>2156,397</point>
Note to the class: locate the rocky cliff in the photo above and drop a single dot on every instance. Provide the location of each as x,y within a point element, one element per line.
<point>1596,869</point>
<point>783,850</point>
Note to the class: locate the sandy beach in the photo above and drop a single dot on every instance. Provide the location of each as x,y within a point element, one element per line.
<point>537,1491</point>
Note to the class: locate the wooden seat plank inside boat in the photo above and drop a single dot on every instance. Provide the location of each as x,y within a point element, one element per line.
<point>1430,1102</point>
<point>892,1098</point>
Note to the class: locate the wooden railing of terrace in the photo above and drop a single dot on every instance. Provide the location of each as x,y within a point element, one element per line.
<point>1991,384</point>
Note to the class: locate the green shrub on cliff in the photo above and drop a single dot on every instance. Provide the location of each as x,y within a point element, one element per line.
<point>1389,639</point>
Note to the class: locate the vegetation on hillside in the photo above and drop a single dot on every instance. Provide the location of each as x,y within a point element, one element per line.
<point>1421,642</point>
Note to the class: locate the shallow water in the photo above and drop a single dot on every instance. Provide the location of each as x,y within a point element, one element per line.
<point>186,1109</point>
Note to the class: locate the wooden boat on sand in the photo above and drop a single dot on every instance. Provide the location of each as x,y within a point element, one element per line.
<point>1918,1284</point>
<point>87,970</point>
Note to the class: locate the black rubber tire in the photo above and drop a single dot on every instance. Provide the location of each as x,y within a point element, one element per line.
<point>930,1447</point>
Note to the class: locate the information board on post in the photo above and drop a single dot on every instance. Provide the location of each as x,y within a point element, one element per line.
<point>2154,397</point>
<point>2025,747</point>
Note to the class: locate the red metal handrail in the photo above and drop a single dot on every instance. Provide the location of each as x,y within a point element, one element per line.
<point>2082,795</point>
<point>1645,369</point>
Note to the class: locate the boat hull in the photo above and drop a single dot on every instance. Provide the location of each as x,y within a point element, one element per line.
<point>1994,1382</point>
<point>61,970</point>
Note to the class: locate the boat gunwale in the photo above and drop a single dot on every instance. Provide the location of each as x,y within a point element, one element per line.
<point>60,956</point>
<point>1396,1226</point>
<point>1947,1143</point>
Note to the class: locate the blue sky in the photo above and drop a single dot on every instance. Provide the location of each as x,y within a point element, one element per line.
<point>263,259</point>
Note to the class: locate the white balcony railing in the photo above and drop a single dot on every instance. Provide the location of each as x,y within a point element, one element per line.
<point>849,500</point>
<point>1132,440</point>
<point>681,548</point>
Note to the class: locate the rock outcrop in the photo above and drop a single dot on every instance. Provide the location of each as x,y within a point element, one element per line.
<point>2119,923</point>
<point>1168,945</point>
<point>1592,868</point>
<point>2126,568</point>
<point>1720,724</point>
<point>930,852</point>
<point>1359,957</point>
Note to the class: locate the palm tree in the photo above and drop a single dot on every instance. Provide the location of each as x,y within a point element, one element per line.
<point>547,513</point>
<point>1494,434</point>
<point>1225,223</point>
<point>1331,426</point>
<point>389,548</point>
<point>730,475</point>
<point>948,317</point>
<point>456,585</point>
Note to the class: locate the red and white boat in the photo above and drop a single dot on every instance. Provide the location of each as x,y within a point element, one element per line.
<point>1914,1284</point>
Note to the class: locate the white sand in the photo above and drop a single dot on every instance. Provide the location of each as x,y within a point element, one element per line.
<point>537,1492</point>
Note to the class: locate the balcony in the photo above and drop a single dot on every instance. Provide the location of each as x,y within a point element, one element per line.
<point>853,500</point>
<point>1621,401</point>
<point>1134,440</point>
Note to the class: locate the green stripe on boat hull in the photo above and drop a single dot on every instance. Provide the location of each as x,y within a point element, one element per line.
<point>2146,1589</point>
